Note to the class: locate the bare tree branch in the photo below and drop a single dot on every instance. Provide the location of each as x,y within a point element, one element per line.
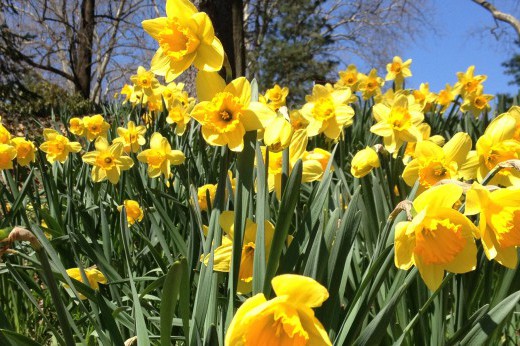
<point>501,16</point>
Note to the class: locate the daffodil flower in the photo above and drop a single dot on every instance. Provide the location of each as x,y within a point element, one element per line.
<point>327,111</point>
<point>132,137</point>
<point>398,70</point>
<point>227,112</point>
<point>76,126</point>
<point>185,36</point>
<point>363,162</point>
<point>160,156</point>
<point>467,82</point>
<point>432,163</point>
<point>438,238</point>
<point>496,145</point>
<point>287,319</point>
<point>108,161</point>
<point>94,277</point>
<point>25,151</point>
<point>398,123</point>
<point>222,255</point>
<point>57,147</point>
<point>95,126</point>
<point>499,221</point>
<point>7,155</point>
<point>371,85</point>
<point>134,212</point>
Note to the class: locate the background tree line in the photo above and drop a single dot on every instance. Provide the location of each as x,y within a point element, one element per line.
<point>89,48</point>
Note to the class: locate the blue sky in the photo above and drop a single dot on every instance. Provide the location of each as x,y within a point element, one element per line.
<point>462,40</point>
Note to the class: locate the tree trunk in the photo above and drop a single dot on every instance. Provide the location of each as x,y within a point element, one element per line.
<point>228,20</point>
<point>85,38</point>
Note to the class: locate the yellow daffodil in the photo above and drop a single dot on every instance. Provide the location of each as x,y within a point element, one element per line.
<point>160,156</point>
<point>108,161</point>
<point>222,259</point>
<point>499,221</point>
<point>496,145</point>
<point>227,112</point>
<point>476,102</point>
<point>132,137</point>
<point>438,238</point>
<point>311,160</point>
<point>287,319</point>
<point>144,81</point>
<point>277,134</point>
<point>398,70</point>
<point>134,212</point>
<point>210,189</point>
<point>130,94</point>
<point>432,163</point>
<point>5,136</point>
<point>363,162</point>
<point>327,111</point>
<point>7,155</point>
<point>514,112</point>
<point>467,82</point>
<point>76,126</point>
<point>371,85</point>
<point>94,277</point>
<point>398,123</point>
<point>446,96</point>
<point>25,151</point>
<point>275,97</point>
<point>349,78</point>
<point>298,121</point>
<point>425,130</point>
<point>313,163</point>
<point>57,147</point>
<point>424,96</point>
<point>185,36</point>
<point>95,126</point>
<point>179,114</point>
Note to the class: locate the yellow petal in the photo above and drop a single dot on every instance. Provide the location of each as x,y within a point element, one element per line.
<point>154,26</point>
<point>236,329</point>
<point>257,116</point>
<point>432,274</point>
<point>429,151</point>
<point>457,148</point>
<point>291,285</point>
<point>312,171</point>
<point>213,137</point>
<point>227,221</point>
<point>222,257</point>
<point>208,85</point>
<point>443,196</point>
<point>181,9</point>
<point>508,257</point>
<point>235,139</point>
<point>210,57</point>
<point>241,88</point>
<point>404,246</point>
<point>466,259</point>
<point>411,172</point>
<point>477,199</point>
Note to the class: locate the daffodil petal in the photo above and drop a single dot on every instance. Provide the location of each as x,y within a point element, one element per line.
<point>291,285</point>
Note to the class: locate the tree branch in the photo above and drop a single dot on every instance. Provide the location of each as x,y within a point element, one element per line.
<point>501,16</point>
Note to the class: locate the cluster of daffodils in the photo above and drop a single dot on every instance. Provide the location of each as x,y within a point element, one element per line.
<point>14,148</point>
<point>146,91</point>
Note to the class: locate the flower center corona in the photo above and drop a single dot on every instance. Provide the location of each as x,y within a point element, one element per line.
<point>177,40</point>
<point>440,242</point>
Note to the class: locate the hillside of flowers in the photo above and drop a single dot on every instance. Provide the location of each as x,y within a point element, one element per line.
<point>371,214</point>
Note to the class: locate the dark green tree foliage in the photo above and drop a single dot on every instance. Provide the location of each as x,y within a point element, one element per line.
<point>294,50</point>
<point>11,70</point>
<point>513,69</point>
